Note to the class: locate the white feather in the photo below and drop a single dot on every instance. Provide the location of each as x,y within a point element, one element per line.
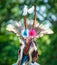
<point>10,28</point>
<point>48,31</point>
<point>25,10</point>
<point>31,10</point>
<point>13,22</point>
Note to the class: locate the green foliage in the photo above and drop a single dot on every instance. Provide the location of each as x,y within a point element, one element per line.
<point>9,43</point>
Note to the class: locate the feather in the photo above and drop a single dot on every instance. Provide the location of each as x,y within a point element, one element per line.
<point>31,10</point>
<point>25,10</point>
<point>17,27</point>
<point>13,26</point>
<point>42,30</point>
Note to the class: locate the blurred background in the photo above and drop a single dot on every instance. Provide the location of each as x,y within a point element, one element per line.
<point>9,43</point>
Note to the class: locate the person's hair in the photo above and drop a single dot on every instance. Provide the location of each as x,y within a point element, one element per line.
<point>35,54</point>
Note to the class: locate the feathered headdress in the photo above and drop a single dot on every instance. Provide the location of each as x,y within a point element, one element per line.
<point>28,28</point>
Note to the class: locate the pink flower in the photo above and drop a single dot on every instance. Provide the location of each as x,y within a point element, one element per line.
<point>32,33</point>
